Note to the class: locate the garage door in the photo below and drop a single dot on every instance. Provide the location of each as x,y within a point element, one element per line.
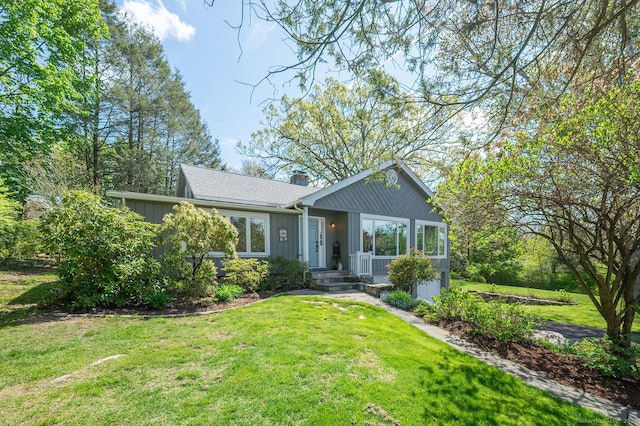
<point>427,289</point>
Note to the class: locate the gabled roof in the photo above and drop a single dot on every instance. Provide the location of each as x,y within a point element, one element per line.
<point>215,185</point>
<point>309,200</point>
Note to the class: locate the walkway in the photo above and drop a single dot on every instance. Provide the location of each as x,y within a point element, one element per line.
<point>560,391</point>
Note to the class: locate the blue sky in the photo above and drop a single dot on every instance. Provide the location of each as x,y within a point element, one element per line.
<point>205,49</point>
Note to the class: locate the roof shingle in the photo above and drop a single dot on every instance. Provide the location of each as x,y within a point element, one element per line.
<point>215,185</point>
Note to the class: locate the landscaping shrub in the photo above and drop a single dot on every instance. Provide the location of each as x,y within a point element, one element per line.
<point>226,292</point>
<point>610,359</point>
<point>105,252</point>
<point>407,270</point>
<point>401,299</point>
<point>247,273</point>
<point>285,274</point>
<point>191,234</point>
<point>505,322</point>
<point>157,298</point>
<point>563,295</point>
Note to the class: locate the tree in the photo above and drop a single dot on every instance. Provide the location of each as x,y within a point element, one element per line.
<point>502,56</point>
<point>191,234</point>
<point>576,183</point>
<point>8,215</point>
<point>340,131</point>
<point>136,123</point>
<point>41,46</point>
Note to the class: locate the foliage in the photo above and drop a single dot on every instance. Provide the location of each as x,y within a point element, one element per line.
<point>247,273</point>
<point>575,183</point>
<point>49,175</point>
<point>501,321</point>
<point>497,61</point>
<point>106,252</point>
<point>401,299</point>
<point>583,313</point>
<point>191,234</point>
<point>157,298</point>
<point>23,241</point>
<point>609,358</point>
<point>407,270</point>
<point>285,273</point>
<point>563,295</point>
<point>339,131</point>
<point>8,220</point>
<point>226,292</point>
<point>41,46</point>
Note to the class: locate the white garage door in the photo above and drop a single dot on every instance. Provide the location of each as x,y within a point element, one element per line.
<point>427,289</point>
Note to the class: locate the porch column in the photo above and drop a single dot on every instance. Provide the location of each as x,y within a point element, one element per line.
<point>305,234</point>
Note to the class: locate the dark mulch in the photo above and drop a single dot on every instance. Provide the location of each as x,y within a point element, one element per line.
<point>186,307</point>
<point>563,368</point>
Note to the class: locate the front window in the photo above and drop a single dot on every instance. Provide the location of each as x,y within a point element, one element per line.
<point>252,232</point>
<point>431,238</point>
<point>384,236</point>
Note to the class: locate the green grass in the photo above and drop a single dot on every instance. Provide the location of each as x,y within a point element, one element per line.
<point>286,360</point>
<point>584,313</point>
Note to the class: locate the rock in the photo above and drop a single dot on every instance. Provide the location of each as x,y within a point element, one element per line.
<point>552,337</point>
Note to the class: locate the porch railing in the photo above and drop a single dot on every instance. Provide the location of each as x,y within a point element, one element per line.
<point>360,263</point>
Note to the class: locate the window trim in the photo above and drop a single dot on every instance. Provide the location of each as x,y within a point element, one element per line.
<point>402,220</point>
<point>442,225</point>
<point>248,215</point>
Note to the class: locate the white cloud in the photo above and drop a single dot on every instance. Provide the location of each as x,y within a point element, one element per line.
<point>164,23</point>
<point>258,34</point>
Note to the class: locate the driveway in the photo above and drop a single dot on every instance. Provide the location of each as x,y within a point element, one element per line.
<point>576,332</point>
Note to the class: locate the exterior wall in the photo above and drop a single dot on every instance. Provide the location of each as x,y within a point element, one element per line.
<point>289,248</point>
<point>407,200</point>
<point>154,211</point>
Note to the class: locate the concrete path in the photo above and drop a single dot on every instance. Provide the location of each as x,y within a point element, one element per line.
<point>565,393</point>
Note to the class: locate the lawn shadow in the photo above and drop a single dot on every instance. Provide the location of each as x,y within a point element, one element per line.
<point>29,307</point>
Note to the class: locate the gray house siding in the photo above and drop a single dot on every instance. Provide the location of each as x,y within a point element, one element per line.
<point>289,248</point>
<point>407,200</point>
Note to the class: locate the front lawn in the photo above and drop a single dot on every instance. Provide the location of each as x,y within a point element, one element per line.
<point>584,313</point>
<point>286,360</point>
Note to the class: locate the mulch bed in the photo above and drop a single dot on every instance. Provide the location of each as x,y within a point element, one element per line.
<point>185,308</point>
<point>563,368</point>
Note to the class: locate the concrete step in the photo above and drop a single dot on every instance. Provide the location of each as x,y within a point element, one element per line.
<point>327,277</point>
<point>329,274</point>
<point>334,286</point>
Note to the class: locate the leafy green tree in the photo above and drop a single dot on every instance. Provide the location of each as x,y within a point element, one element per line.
<point>41,45</point>
<point>501,56</point>
<point>8,222</point>
<point>576,183</point>
<point>339,131</point>
<point>191,234</point>
<point>106,253</point>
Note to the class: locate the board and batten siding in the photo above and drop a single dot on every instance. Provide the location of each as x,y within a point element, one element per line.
<point>406,200</point>
<point>290,248</point>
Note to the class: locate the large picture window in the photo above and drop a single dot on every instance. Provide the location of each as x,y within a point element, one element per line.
<point>431,238</point>
<point>252,232</point>
<point>384,236</point>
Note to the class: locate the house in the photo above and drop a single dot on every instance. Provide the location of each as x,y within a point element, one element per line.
<point>357,225</point>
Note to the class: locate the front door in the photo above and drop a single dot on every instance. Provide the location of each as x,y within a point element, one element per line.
<point>317,254</point>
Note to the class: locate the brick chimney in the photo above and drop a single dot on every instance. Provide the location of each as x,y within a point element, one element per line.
<point>300,178</point>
